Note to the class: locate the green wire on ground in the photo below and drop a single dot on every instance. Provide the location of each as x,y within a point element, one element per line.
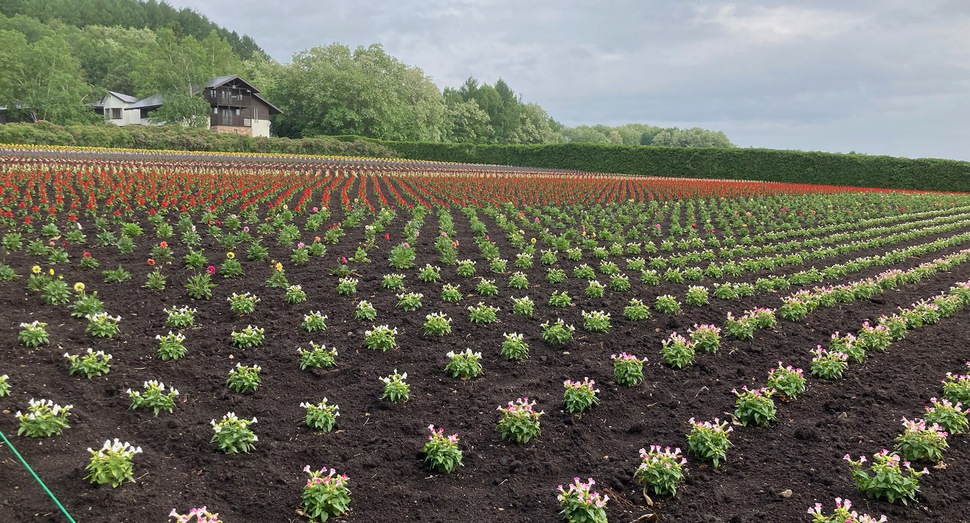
<point>34,474</point>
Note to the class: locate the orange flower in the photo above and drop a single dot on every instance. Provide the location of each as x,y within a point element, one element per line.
<point>151,262</point>
<point>163,245</point>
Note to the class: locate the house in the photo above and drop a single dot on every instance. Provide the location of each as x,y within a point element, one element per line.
<point>236,107</point>
<point>113,106</point>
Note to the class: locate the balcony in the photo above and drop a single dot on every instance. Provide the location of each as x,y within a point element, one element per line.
<point>232,120</point>
<point>228,98</point>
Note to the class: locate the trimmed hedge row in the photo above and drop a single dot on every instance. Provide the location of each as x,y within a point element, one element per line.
<point>178,138</point>
<point>736,163</point>
<point>678,162</point>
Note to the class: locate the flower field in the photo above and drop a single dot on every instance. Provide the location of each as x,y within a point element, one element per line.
<point>294,338</point>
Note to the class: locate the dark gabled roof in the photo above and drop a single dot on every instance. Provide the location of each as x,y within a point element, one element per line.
<point>127,98</point>
<point>155,101</point>
<point>272,108</point>
<point>222,80</point>
<point>152,102</point>
<point>219,81</point>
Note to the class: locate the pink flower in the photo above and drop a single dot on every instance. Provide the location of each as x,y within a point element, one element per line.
<point>211,269</point>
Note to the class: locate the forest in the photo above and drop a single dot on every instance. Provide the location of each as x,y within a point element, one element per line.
<point>63,56</point>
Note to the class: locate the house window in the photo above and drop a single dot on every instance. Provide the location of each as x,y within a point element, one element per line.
<point>116,113</point>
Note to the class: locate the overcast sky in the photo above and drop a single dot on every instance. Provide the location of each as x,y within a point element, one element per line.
<point>870,76</point>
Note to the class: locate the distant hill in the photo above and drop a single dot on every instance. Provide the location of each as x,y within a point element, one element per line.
<point>130,14</point>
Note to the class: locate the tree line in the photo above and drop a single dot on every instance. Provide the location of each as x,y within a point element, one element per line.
<point>63,55</point>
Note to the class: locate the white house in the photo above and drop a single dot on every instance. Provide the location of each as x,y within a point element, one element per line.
<point>113,106</point>
<point>236,107</point>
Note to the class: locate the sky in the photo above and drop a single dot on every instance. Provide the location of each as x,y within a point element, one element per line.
<point>868,76</point>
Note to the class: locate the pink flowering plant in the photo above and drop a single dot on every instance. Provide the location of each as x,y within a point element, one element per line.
<point>706,338</point>
<point>889,477</point>
<point>580,504</point>
<point>627,369</point>
<point>325,494</point>
<point>201,514</point>
<point>950,416</point>
<point>755,406</point>
<point>842,514</point>
<point>708,440</point>
<point>848,344</point>
<point>897,325</point>
<point>741,328</point>
<point>874,337</point>
<point>519,422</point>
<point>829,365</point>
<point>956,387</point>
<point>580,396</point>
<point>442,452</point>
<point>660,470</point>
<point>920,441</point>
<point>788,381</point>
<point>797,306</point>
<point>677,351</point>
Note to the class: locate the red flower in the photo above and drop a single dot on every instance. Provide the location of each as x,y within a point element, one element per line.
<point>163,245</point>
<point>151,262</point>
<point>86,254</point>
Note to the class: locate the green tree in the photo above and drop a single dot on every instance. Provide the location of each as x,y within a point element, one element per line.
<point>468,123</point>
<point>366,92</point>
<point>42,81</point>
<point>584,134</point>
<point>536,127</point>
<point>693,137</point>
<point>178,68</point>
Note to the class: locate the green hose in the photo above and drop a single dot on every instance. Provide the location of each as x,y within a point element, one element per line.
<point>34,474</point>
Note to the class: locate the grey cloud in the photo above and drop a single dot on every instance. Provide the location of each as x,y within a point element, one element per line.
<point>879,76</point>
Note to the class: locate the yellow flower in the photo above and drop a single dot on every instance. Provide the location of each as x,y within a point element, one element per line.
<point>35,269</point>
<point>230,255</point>
<point>533,241</point>
<point>50,271</point>
<point>78,287</point>
<point>279,266</point>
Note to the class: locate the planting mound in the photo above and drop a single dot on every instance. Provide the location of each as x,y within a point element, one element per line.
<point>767,242</point>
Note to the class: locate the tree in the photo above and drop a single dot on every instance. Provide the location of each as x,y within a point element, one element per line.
<point>366,92</point>
<point>584,134</point>
<point>536,127</point>
<point>511,120</point>
<point>693,137</point>
<point>468,123</point>
<point>178,68</point>
<point>42,81</point>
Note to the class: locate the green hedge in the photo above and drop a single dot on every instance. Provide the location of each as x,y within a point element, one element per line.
<point>681,162</point>
<point>678,162</point>
<point>182,139</point>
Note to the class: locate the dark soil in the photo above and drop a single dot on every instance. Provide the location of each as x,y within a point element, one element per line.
<point>772,474</point>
